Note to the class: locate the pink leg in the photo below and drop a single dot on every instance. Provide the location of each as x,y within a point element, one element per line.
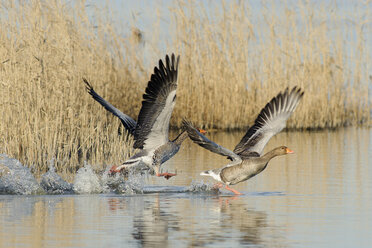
<point>114,169</point>
<point>218,186</point>
<point>233,190</point>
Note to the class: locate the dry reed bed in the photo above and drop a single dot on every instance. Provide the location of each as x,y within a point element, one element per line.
<point>230,67</point>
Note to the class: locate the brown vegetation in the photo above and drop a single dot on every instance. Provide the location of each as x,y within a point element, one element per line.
<point>230,67</point>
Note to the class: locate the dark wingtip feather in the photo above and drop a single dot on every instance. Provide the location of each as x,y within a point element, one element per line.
<point>167,62</point>
<point>88,86</point>
<point>188,126</point>
<point>162,81</point>
<point>193,133</point>
<point>186,123</point>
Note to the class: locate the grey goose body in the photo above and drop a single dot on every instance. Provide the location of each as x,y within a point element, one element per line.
<point>246,158</point>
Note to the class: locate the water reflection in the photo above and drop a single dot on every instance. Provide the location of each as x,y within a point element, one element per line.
<point>309,199</point>
<point>151,221</point>
<point>150,224</point>
<point>230,222</point>
<point>192,221</point>
<point>249,222</point>
<point>153,224</point>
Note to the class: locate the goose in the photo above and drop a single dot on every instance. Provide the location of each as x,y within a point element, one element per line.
<point>246,159</point>
<point>151,130</point>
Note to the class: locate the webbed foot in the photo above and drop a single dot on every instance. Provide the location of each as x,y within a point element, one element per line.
<point>114,169</point>
<point>166,175</point>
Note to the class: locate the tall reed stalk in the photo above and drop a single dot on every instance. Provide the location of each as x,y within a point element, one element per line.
<point>231,65</point>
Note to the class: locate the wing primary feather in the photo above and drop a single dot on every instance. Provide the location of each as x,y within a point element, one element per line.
<point>157,105</point>
<point>270,121</point>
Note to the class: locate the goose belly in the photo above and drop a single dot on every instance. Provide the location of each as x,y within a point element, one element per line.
<point>140,159</point>
<point>240,173</point>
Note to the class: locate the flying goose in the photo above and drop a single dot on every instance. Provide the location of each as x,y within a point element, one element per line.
<point>151,130</point>
<point>247,159</point>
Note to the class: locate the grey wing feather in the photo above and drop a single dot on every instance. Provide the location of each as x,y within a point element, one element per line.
<point>157,106</point>
<point>204,142</point>
<point>126,120</point>
<point>271,120</point>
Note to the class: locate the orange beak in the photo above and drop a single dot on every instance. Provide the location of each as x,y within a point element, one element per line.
<point>202,131</point>
<point>289,150</point>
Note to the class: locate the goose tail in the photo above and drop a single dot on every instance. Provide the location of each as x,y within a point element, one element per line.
<point>212,173</point>
<point>205,173</point>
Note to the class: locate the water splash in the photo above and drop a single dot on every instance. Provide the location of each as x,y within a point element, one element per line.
<point>52,183</point>
<point>86,181</point>
<point>16,178</point>
<point>129,184</point>
<point>201,187</point>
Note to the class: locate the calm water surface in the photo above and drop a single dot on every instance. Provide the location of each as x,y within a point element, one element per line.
<point>321,196</point>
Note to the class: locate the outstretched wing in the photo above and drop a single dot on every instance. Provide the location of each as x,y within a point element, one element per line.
<point>204,142</point>
<point>157,106</point>
<point>126,120</point>
<point>271,120</point>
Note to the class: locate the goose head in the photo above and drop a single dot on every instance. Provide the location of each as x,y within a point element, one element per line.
<point>282,150</point>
